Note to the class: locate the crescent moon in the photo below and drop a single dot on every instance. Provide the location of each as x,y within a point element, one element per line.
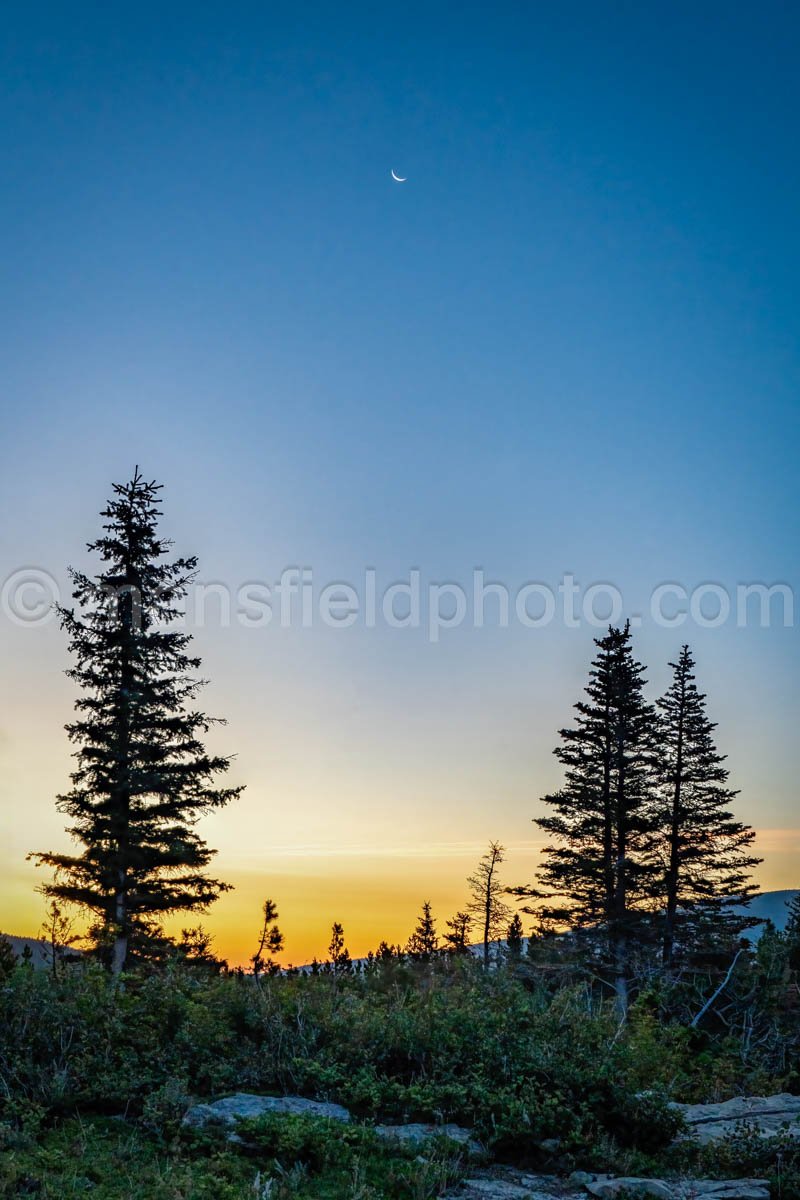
<point>399,178</point>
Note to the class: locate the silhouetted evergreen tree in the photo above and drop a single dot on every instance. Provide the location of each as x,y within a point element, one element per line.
<point>514,936</point>
<point>339,961</point>
<point>707,852</point>
<point>143,776</point>
<point>424,941</point>
<point>8,959</point>
<point>600,870</point>
<point>270,942</point>
<point>387,953</point>
<point>456,937</point>
<point>195,948</point>
<point>487,905</point>
<point>537,939</point>
<point>793,932</point>
<point>58,934</point>
<point>386,962</point>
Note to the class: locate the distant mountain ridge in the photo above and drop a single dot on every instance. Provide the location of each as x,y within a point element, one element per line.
<point>770,906</point>
<point>40,950</point>
<point>766,906</point>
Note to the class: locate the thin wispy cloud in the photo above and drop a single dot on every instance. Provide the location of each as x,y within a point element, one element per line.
<point>427,850</point>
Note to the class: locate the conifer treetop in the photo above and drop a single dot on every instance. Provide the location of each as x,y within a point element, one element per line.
<point>143,775</point>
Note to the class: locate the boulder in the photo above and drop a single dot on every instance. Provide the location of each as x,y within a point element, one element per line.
<point>607,1188</point>
<point>544,1187</point>
<point>416,1135</point>
<point>507,1183</point>
<point>725,1189</point>
<point>494,1189</point>
<point>766,1115</point>
<point>737,1191</point>
<point>243,1105</point>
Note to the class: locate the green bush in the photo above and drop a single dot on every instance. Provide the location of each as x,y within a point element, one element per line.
<point>545,1076</point>
<point>743,1154</point>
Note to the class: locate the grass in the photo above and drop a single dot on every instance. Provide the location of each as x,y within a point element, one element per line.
<point>285,1157</point>
<point>296,1158</point>
<point>94,1081</point>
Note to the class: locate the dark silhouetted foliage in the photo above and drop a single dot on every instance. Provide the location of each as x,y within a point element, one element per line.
<point>143,776</point>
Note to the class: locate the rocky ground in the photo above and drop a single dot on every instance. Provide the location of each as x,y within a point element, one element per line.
<point>764,1115</point>
<point>497,1183</point>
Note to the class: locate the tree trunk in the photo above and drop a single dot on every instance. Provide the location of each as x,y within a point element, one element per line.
<point>673,870</point>
<point>621,978</point>
<point>119,949</point>
<point>620,944</point>
<point>119,953</point>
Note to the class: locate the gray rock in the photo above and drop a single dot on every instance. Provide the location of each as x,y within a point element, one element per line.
<point>736,1192</point>
<point>766,1115</point>
<point>607,1188</point>
<point>506,1183</point>
<point>495,1189</point>
<point>725,1189</point>
<point>707,1187</point>
<point>243,1105</point>
<point>417,1135</point>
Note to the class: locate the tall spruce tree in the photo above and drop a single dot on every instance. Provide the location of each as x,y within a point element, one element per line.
<point>143,776</point>
<point>707,852</point>
<point>600,869</point>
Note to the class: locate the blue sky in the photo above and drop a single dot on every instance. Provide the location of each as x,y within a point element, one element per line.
<point>568,343</point>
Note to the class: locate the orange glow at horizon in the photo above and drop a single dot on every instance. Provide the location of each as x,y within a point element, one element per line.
<point>376,892</point>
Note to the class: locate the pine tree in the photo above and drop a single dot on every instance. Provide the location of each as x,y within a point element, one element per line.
<point>707,852</point>
<point>487,905</point>
<point>423,944</point>
<point>793,932</point>
<point>387,953</point>
<point>514,936</point>
<point>270,941</point>
<point>600,870</point>
<point>195,950</point>
<point>143,776</point>
<point>339,961</point>
<point>457,936</point>
<point>57,933</point>
<point>8,959</point>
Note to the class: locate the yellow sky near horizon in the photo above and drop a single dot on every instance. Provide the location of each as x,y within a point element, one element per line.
<point>360,811</point>
<point>375,891</point>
